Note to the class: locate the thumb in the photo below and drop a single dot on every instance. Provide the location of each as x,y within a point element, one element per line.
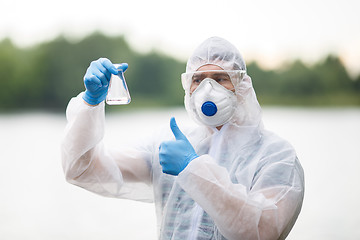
<point>176,131</point>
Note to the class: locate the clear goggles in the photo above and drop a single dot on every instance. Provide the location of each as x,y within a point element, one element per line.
<point>225,78</point>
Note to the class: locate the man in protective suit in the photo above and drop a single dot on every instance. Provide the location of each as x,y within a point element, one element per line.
<point>227,178</point>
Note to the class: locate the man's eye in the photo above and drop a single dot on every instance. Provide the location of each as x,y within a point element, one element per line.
<point>222,80</point>
<point>197,80</point>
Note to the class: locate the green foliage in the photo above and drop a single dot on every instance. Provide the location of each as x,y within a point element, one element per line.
<point>325,83</point>
<point>46,76</point>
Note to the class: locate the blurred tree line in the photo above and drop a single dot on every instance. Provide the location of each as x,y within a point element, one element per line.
<point>46,76</point>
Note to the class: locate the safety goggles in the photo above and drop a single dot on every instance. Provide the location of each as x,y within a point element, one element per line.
<point>225,78</point>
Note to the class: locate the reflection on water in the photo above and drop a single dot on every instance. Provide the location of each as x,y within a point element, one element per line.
<point>37,203</point>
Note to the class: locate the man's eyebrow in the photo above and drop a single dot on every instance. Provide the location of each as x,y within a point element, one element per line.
<point>216,74</point>
<point>197,75</point>
<point>221,74</point>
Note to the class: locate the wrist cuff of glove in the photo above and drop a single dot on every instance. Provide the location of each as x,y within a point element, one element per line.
<point>92,100</point>
<point>192,157</point>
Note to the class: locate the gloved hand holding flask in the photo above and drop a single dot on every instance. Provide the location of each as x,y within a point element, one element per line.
<point>175,155</point>
<point>97,78</point>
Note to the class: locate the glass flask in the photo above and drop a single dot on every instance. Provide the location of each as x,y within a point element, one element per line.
<point>118,93</point>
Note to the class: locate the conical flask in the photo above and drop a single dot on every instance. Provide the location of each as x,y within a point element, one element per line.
<point>118,93</point>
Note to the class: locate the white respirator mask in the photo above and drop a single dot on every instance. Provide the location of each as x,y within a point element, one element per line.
<point>213,105</point>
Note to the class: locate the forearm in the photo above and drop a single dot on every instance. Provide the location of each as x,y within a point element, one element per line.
<point>85,161</point>
<point>238,213</point>
<point>84,130</point>
<point>89,164</point>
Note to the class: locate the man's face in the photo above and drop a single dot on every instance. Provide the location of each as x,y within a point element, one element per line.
<point>221,77</point>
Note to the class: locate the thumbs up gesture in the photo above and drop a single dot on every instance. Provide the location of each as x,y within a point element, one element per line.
<point>175,155</point>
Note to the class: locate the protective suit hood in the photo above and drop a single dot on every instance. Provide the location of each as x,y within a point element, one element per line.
<point>217,51</point>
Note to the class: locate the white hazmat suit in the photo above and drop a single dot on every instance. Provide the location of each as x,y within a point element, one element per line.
<point>247,183</point>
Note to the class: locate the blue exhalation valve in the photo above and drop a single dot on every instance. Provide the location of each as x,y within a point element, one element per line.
<point>209,108</point>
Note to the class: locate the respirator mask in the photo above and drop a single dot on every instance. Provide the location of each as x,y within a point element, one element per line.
<point>212,104</point>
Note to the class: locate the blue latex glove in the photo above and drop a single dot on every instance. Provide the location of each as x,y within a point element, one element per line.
<point>175,155</point>
<point>97,79</point>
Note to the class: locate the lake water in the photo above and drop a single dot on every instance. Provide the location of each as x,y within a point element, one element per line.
<point>37,203</point>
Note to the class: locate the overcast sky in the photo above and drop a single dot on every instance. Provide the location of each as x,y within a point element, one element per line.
<point>267,31</point>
